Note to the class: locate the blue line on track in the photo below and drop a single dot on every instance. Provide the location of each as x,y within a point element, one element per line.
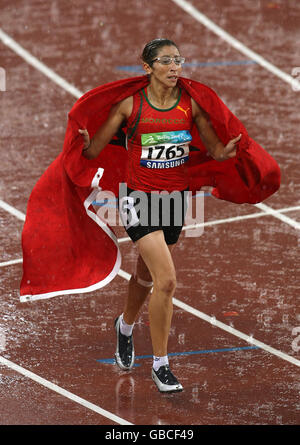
<point>112,361</point>
<point>139,69</point>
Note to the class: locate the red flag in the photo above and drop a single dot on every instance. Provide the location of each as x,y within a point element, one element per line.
<point>67,248</point>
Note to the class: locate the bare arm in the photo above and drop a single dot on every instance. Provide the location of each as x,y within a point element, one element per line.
<point>213,144</point>
<point>106,132</point>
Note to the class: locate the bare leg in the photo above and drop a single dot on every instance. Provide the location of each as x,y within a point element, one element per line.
<point>137,293</point>
<point>157,257</point>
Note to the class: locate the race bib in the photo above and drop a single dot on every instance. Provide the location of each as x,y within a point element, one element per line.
<point>165,150</point>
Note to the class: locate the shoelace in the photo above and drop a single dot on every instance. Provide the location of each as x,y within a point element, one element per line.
<point>126,344</point>
<point>168,376</point>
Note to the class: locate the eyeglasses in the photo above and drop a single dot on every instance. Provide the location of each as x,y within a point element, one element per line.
<point>167,60</point>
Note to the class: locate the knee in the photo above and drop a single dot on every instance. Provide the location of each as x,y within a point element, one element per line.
<point>166,285</point>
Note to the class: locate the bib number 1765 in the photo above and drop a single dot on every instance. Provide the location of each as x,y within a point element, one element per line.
<point>161,152</point>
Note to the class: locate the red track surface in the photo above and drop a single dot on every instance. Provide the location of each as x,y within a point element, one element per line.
<point>247,266</point>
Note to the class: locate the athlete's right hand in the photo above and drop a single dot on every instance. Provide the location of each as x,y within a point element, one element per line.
<point>230,149</point>
<point>86,138</point>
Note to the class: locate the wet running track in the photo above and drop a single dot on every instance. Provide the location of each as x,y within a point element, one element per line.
<point>235,338</point>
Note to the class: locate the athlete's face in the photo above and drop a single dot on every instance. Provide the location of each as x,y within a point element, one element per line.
<point>166,74</point>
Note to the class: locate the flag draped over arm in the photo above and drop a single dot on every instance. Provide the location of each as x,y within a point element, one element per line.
<point>251,177</point>
<point>67,248</point>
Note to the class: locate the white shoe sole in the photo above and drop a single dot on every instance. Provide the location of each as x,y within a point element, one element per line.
<point>162,387</point>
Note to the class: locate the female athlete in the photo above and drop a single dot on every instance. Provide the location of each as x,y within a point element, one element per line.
<point>159,120</point>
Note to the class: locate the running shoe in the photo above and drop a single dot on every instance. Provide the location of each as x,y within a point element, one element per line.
<point>125,350</point>
<point>165,380</point>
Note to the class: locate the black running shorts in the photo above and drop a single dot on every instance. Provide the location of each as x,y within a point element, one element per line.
<point>143,213</point>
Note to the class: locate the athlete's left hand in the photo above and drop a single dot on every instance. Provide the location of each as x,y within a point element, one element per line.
<point>230,148</point>
<point>86,138</point>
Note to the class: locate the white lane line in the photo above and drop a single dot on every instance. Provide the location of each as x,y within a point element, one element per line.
<point>33,61</point>
<point>63,392</point>
<point>248,338</point>
<point>11,262</point>
<point>239,46</point>
<point>212,320</point>
<point>12,210</point>
<point>283,218</point>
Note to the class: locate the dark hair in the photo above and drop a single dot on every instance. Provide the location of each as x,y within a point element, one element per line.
<point>151,49</point>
